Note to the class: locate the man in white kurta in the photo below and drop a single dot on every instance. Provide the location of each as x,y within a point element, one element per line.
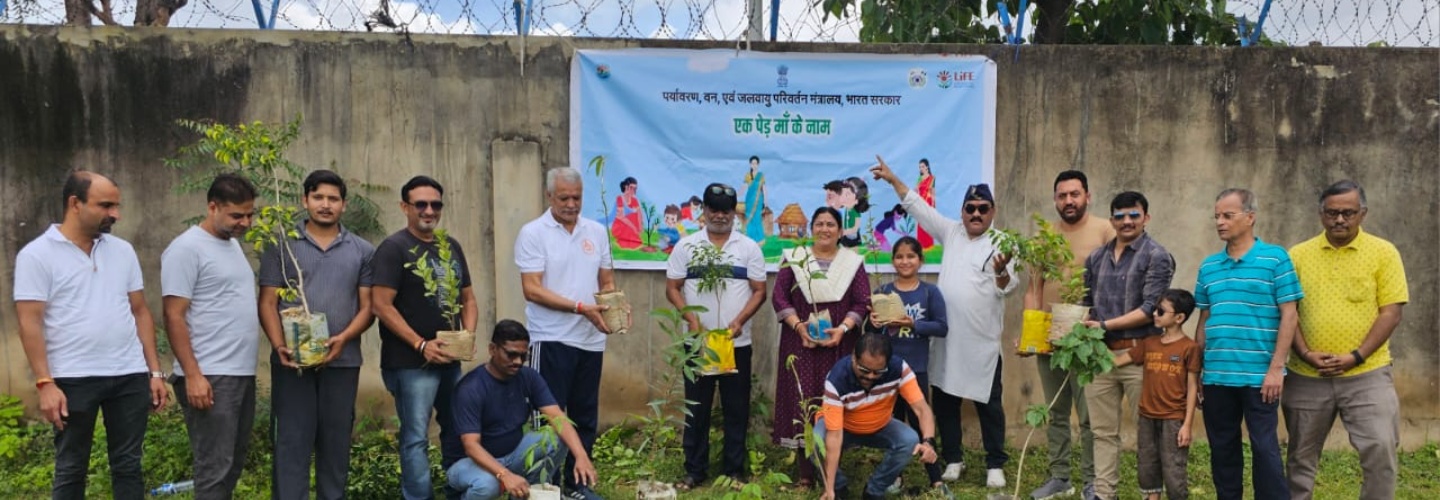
<point>974,279</point>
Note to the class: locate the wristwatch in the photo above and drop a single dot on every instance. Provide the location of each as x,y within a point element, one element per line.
<point>157,374</point>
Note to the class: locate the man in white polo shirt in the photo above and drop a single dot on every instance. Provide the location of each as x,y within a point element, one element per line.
<point>564,259</point>
<point>730,307</point>
<point>80,300</point>
<point>214,330</point>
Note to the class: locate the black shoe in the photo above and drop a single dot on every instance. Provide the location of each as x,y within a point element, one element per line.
<point>581,492</point>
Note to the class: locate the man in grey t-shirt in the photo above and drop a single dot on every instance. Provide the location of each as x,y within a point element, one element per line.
<point>314,407</point>
<point>209,301</point>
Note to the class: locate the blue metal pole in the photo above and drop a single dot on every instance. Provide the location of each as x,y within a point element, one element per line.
<point>1260,24</point>
<point>259,13</point>
<point>774,19</point>
<point>274,8</point>
<point>529,14</point>
<point>2,8</point>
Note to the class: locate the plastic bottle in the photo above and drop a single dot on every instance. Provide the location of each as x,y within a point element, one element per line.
<point>173,488</point>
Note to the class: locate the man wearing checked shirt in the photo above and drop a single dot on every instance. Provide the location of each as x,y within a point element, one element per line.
<point>1355,287</point>
<point>1246,295</point>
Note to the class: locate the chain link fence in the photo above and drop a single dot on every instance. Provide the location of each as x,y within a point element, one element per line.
<point>1413,23</point>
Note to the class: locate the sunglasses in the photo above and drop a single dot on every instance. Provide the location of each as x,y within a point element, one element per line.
<point>426,205</point>
<point>1133,214</point>
<point>867,371</point>
<point>1160,311</point>
<point>521,356</point>
<point>722,189</point>
<point>983,209</point>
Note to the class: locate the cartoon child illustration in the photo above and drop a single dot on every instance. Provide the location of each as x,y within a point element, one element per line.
<point>672,230</point>
<point>896,222</point>
<point>852,198</point>
<point>691,214</point>
<point>626,225</point>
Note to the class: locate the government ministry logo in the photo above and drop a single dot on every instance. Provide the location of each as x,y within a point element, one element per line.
<point>784,80</point>
<point>917,78</point>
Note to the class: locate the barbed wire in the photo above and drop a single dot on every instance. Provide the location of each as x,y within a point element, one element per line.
<point>1293,22</point>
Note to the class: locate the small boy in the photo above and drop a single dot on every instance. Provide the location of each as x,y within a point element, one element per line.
<point>1167,397</point>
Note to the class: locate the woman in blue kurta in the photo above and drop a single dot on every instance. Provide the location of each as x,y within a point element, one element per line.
<point>755,202</point>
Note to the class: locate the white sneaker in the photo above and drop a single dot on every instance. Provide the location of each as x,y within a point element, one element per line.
<point>953,471</point>
<point>995,478</point>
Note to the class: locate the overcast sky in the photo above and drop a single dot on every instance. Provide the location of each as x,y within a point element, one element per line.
<point>1332,22</point>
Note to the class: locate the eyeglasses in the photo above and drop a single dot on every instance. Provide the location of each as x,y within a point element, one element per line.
<point>1160,311</point>
<point>1133,214</point>
<point>1228,215</point>
<point>424,205</point>
<point>1335,214</point>
<point>722,189</point>
<point>521,356</point>
<point>867,371</point>
<point>982,208</point>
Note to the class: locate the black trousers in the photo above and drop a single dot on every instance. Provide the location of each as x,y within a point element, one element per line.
<point>992,425</point>
<point>573,375</point>
<point>735,413</point>
<point>312,412</point>
<point>125,402</point>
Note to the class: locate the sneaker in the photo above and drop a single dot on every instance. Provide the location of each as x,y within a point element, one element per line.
<point>1089,492</point>
<point>1054,488</point>
<point>953,471</point>
<point>581,492</point>
<point>995,478</point>
<point>896,487</point>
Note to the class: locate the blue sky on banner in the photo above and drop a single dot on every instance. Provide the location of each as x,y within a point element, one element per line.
<point>677,120</point>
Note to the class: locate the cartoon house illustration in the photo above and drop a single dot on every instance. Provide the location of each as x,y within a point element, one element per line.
<point>792,222</point>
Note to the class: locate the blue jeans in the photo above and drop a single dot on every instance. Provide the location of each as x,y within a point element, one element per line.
<point>1225,407</point>
<point>416,392</point>
<point>476,483</point>
<point>896,439</point>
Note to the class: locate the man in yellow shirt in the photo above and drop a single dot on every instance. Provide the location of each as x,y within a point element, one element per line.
<point>1355,288</point>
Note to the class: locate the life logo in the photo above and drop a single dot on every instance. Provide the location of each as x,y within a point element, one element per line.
<point>948,79</point>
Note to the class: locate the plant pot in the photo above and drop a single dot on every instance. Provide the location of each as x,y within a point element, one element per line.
<point>887,307</point>
<point>459,344</point>
<point>1035,333</point>
<point>305,335</point>
<point>721,358</point>
<point>544,491</point>
<point>1063,318</point>
<point>654,490</point>
<point>817,324</point>
<point>617,313</point>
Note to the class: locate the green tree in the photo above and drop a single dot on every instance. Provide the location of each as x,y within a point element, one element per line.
<point>1148,22</point>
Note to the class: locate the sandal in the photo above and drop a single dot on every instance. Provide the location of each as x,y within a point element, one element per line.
<point>687,484</point>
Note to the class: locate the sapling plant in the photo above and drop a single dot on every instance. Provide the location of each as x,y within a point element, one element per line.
<point>442,284</point>
<point>617,311</point>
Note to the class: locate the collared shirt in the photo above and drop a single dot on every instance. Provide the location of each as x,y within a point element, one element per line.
<point>332,279</point>
<point>744,263</point>
<point>570,263</point>
<point>1134,281</point>
<point>215,276</point>
<point>848,405</point>
<point>1344,290</point>
<point>1243,297</point>
<point>89,329</point>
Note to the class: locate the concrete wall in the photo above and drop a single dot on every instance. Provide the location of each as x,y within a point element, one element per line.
<point>1178,124</point>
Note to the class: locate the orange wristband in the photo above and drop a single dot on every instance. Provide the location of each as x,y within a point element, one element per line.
<point>41,382</point>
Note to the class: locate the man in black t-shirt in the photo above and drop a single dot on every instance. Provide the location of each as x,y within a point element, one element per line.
<point>415,371</point>
<point>492,404</point>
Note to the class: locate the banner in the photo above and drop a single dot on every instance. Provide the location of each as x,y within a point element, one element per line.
<point>791,132</point>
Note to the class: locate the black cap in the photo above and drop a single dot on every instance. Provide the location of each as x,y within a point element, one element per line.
<point>719,197</point>
<point>979,192</point>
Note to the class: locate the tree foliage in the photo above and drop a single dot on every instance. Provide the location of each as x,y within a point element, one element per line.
<point>1147,22</point>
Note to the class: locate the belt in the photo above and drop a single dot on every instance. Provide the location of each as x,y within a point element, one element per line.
<point>1119,344</point>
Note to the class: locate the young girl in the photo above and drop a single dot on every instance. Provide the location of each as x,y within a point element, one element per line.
<point>1167,397</point>
<point>924,319</point>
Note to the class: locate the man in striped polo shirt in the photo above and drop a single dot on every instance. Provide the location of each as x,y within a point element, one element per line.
<point>859,410</point>
<point>1246,295</point>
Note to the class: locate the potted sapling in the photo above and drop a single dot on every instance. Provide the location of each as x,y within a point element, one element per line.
<point>885,307</point>
<point>541,464</point>
<point>1046,255</point>
<point>714,266</point>
<point>807,270</point>
<point>617,308</point>
<point>444,289</point>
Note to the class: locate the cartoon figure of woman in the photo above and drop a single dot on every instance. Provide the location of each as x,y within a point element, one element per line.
<point>755,201</point>
<point>897,221</point>
<point>852,198</point>
<point>626,224</point>
<point>926,189</point>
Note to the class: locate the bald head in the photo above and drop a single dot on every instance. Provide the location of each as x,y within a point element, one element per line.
<point>92,202</point>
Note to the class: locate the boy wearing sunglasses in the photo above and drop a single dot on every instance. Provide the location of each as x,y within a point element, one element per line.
<point>1171,362</point>
<point>1125,278</point>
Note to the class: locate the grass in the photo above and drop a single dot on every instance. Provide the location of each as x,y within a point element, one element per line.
<point>1339,476</point>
